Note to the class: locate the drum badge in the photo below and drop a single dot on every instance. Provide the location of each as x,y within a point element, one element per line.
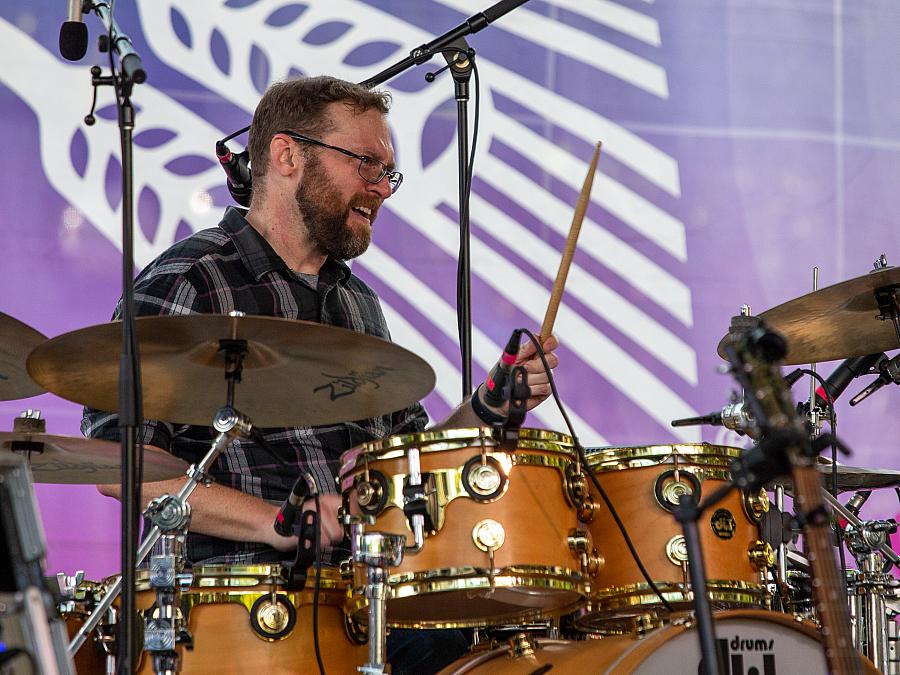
<point>722,523</point>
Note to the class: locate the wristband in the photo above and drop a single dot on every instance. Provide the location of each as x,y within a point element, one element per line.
<point>484,413</point>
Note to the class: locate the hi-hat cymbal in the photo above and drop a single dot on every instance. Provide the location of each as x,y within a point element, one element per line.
<point>73,459</point>
<point>851,478</point>
<point>295,373</point>
<point>16,342</point>
<point>837,322</point>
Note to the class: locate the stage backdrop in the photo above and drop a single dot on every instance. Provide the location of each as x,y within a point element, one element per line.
<point>744,143</point>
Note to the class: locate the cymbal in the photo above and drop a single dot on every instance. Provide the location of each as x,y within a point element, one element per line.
<point>295,373</point>
<point>851,478</point>
<point>837,322</point>
<point>16,342</point>
<point>73,459</point>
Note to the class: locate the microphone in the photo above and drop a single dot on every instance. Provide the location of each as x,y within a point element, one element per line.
<point>498,378</point>
<point>73,34</point>
<point>291,509</point>
<point>237,171</point>
<point>890,373</point>
<point>844,374</point>
<point>733,416</point>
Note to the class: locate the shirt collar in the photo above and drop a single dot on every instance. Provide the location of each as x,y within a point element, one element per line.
<point>261,259</point>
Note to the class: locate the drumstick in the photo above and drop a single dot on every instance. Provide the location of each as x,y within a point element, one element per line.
<point>569,251</point>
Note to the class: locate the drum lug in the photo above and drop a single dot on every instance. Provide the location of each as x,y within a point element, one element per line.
<point>578,494</point>
<point>357,631</point>
<point>580,546</point>
<point>761,555</point>
<point>273,618</point>
<point>521,645</point>
<point>483,478</point>
<point>755,504</point>
<point>670,485</point>
<point>372,494</point>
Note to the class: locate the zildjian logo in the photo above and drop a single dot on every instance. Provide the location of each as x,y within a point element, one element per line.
<point>345,385</point>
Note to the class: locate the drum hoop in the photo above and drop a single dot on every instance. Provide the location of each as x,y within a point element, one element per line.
<point>641,595</point>
<point>245,576</point>
<point>693,454</point>
<point>454,439</point>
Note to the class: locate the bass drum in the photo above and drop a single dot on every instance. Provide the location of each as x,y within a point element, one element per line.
<point>750,641</point>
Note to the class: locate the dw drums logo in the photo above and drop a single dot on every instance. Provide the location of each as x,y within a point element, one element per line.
<point>740,656</point>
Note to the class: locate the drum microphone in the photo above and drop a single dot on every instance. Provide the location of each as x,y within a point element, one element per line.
<point>890,373</point>
<point>498,378</point>
<point>73,34</point>
<point>844,374</point>
<point>733,416</point>
<point>237,170</point>
<point>292,508</point>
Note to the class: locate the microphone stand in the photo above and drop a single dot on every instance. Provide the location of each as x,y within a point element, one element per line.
<point>461,69</point>
<point>131,72</point>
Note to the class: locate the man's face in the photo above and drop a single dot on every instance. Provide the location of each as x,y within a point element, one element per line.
<point>338,205</point>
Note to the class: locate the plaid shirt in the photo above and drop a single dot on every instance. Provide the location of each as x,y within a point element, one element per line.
<point>230,268</point>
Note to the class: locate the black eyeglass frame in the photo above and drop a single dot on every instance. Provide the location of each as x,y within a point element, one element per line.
<point>395,178</point>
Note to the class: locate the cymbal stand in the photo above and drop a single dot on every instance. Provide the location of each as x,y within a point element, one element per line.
<point>230,424</point>
<point>871,585</point>
<point>377,551</point>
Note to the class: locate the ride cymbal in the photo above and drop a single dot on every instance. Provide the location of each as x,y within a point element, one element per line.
<point>17,340</point>
<point>73,459</point>
<point>837,322</point>
<point>295,373</point>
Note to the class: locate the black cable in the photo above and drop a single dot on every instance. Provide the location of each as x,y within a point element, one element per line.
<point>839,540</point>
<point>590,472</point>
<point>257,437</point>
<point>318,585</point>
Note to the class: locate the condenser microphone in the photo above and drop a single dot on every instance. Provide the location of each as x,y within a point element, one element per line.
<point>237,172</point>
<point>73,34</point>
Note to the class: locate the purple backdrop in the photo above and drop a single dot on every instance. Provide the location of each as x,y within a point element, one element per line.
<point>743,144</point>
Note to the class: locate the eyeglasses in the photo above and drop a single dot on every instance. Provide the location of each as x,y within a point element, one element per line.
<point>369,168</point>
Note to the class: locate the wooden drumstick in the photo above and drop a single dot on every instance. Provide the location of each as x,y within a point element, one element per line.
<point>569,251</point>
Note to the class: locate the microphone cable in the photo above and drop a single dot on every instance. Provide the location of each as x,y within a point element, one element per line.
<point>590,472</point>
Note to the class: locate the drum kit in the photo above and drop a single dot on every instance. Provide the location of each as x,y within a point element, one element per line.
<point>553,556</point>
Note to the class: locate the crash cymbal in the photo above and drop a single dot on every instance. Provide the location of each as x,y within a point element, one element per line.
<point>295,373</point>
<point>16,342</point>
<point>73,459</point>
<point>837,322</point>
<point>851,478</point>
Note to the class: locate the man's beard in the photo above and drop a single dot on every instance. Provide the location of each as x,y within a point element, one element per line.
<point>325,214</point>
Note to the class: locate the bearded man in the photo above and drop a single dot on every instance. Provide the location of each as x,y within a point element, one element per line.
<point>323,164</point>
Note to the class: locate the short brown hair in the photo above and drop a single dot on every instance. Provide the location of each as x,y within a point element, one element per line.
<point>299,105</point>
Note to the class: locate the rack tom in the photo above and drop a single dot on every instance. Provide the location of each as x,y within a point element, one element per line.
<point>644,485</point>
<point>502,541</point>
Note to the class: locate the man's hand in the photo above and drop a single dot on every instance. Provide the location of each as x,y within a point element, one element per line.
<point>538,379</point>
<point>332,530</point>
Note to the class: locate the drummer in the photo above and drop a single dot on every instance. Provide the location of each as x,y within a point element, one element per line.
<point>323,164</point>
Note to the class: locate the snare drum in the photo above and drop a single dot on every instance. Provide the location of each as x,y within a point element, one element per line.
<point>750,641</point>
<point>644,485</point>
<point>498,547</point>
<point>246,619</point>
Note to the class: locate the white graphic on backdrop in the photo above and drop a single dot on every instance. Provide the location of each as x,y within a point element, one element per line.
<point>277,48</point>
<point>426,187</point>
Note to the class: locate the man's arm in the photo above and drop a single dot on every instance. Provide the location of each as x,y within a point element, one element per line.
<point>538,382</point>
<point>223,512</point>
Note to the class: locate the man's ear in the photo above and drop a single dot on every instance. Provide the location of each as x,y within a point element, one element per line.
<point>284,156</point>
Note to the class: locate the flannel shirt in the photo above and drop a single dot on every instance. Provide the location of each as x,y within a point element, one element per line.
<point>231,267</point>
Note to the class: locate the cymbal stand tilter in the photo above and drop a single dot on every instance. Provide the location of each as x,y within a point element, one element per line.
<point>171,515</point>
<point>871,585</point>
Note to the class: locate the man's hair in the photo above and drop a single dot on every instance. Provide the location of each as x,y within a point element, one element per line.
<point>299,105</point>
